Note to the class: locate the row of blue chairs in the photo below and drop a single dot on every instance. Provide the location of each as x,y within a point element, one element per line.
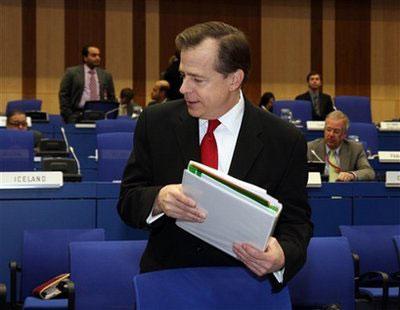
<point>105,275</point>
<point>357,108</point>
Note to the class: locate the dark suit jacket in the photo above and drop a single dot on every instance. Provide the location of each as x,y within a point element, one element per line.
<point>71,90</point>
<point>325,105</point>
<point>269,153</point>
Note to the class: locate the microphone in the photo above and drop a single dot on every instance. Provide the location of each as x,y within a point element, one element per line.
<point>76,159</point>
<point>316,156</point>
<point>65,138</point>
<point>110,112</point>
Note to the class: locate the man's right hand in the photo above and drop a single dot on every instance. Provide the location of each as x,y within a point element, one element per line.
<point>173,202</point>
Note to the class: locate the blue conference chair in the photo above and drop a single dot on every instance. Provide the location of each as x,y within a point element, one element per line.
<point>377,261</point>
<point>327,278</point>
<point>118,125</point>
<point>301,109</point>
<point>207,288</point>
<point>44,256</point>
<point>24,105</point>
<point>357,108</point>
<point>102,273</point>
<point>16,150</point>
<point>113,152</point>
<point>367,134</point>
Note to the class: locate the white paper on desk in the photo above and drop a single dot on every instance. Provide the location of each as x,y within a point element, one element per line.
<point>231,217</point>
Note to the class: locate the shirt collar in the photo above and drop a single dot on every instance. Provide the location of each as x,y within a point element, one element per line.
<point>336,151</point>
<point>87,69</point>
<point>231,118</point>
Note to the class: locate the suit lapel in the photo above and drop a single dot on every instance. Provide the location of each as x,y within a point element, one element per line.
<point>344,156</point>
<point>248,145</point>
<point>187,134</point>
<point>100,77</point>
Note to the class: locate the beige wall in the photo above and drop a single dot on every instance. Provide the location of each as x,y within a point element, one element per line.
<point>285,47</point>
<point>49,52</point>
<point>10,51</point>
<point>385,59</point>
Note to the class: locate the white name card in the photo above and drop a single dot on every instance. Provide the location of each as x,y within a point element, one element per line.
<point>85,125</point>
<point>392,179</point>
<point>314,179</point>
<point>389,156</point>
<point>3,121</point>
<point>31,179</point>
<point>389,126</point>
<point>315,125</point>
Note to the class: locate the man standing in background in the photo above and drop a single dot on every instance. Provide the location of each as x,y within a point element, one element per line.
<point>83,83</point>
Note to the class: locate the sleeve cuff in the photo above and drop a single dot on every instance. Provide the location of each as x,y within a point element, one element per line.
<point>279,275</point>
<point>151,219</point>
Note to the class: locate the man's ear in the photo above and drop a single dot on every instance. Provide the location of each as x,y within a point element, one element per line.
<point>236,81</point>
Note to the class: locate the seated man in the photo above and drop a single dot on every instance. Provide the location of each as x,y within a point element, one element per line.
<point>127,106</point>
<point>16,120</point>
<point>321,103</point>
<point>345,160</point>
<point>159,92</point>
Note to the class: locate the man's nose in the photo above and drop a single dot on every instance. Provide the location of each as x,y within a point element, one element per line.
<point>184,87</point>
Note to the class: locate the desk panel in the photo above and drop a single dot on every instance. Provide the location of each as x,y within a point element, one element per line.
<point>376,211</point>
<point>328,214</point>
<point>18,215</point>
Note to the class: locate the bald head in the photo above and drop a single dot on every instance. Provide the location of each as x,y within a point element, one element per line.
<point>159,92</point>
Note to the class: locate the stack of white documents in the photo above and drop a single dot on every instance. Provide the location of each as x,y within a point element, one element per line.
<point>236,211</point>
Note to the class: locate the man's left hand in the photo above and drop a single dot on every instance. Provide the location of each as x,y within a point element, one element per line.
<point>261,262</point>
<point>345,177</point>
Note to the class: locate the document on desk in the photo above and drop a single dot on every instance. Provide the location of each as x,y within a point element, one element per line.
<point>236,211</point>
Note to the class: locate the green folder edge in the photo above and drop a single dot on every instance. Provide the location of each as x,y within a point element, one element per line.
<point>197,171</point>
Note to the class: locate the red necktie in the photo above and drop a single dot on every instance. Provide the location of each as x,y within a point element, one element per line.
<point>209,150</point>
<point>93,86</point>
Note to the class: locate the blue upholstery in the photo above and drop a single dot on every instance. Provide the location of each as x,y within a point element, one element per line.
<point>24,105</point>
<point>327,277</point>
<point>301,109</point>
<point>118,125</point>
<point>16,150</point>
<point>374,245</point>
<point>207,288</point>
<point>113,152</point>
<point>52,304</point>
<point>357,108</point>
<point>396,241</point>
<point>45,255</point>
<point>103,271</point>
<point>367,134</point>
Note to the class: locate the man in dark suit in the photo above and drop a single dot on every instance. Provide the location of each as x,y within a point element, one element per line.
<point>321,103</point>
<point>251,145</point>
<point>83,83</point>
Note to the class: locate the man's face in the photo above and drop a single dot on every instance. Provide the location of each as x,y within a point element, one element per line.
<point>155,93</point>
<point>17,122</point>
<point>314,82</point>
<point>208,93</point>
<point>93,58</point>
<point>334,132</point>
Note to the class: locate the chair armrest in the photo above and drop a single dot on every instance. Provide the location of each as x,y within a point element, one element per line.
<point>68,289</point>
<point>356,263</point>
<point>3,294</point>
<point>14,268</point>
<point>377,279</point>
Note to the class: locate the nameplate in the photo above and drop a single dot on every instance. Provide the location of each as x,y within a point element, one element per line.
<point>3,121</point>
<point>315,125</point>
<point>389,126</point>
<point>392,179</point>
<point>31,179</point>
<point>389,156</point>
<point>314,180</point>
<point>85,125</point>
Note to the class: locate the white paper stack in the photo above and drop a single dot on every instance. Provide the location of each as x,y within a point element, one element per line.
<point>236,211</point>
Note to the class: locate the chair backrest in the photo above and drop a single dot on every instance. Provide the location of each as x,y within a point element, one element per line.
<point>117,125</point>
<point>357,108</point>
<point>396,241</point>
<point>327,276</point>
<point>301,109</point>
<point>24,105</point>
<point>113,152</point>
<point>16,150</point>
<point>367,133</point>
<point>45,254</point>
<point>207,288</point>
<point>103,272</point>
<point>374,245</point>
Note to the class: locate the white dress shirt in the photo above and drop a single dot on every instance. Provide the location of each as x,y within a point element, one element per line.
<point>86,90</point>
